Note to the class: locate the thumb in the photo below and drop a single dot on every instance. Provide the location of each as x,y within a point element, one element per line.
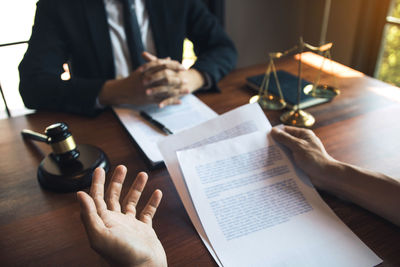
<point>91,220</point>
<point>285,139</point>
<point>148,57</point>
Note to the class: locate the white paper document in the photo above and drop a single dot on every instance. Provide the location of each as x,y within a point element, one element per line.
<point>176,118</point>
<point>255,211</point>
<point>189,113</point>
<point>243,120</point>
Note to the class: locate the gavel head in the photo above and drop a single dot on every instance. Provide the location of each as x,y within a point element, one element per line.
<point>62,142</point>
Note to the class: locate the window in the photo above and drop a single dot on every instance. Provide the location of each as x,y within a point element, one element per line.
<point>189,57</point>
<point>388,65</point>
<point>16,18</point>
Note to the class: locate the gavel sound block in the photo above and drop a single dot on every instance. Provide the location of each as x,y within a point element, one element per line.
<point>69,167</point>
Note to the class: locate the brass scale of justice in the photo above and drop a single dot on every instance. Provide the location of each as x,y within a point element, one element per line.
<point>296,116</point>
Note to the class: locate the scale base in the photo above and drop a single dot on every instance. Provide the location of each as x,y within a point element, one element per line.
<point>321,91</point>
<point>74,175</point>
<point>269,102</point>
<point>298,118</point>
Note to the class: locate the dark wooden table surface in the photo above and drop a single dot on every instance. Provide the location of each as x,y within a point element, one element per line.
<point>37,227</point>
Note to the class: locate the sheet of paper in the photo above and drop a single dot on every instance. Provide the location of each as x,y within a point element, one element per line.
<point>257,212</point>
<point>191,112</point>
<point>180,117</point>
<point>243,120</point>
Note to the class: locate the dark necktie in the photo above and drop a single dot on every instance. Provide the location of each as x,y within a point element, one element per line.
<point>133,35</point>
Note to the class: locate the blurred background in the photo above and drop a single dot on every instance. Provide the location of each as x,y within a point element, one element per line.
<point>365,34</point>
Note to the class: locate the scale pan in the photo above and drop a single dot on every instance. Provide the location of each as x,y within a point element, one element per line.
<point>321,91</point>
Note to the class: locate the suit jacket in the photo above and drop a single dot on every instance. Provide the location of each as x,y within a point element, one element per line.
<point>76,31</point>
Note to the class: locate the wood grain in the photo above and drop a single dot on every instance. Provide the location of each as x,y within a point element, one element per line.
<point>38,227</point>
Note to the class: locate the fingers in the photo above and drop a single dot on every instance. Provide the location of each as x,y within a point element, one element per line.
<point>90,218</point>
<point>167,87</point>
<point>152,66</point>
<point>150,209</point>
<point>298,132</point>
<point>97,189</point>
<point>133,196</point>
<point>162,92</point>
<point>91,207</point>
<point>151,71</point>
<point>164,77</point>
<point>114,189</point>
<point>148,56</point>
<point>162,80</point>
<point>285,138</point>
<point>170,101</point>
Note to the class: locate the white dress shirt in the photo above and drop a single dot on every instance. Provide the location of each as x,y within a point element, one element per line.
<point>122,62</point>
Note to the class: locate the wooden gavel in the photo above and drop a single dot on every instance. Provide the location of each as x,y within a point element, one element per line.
<point>69,167</point>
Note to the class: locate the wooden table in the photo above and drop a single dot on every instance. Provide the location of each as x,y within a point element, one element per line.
<point>37,227</point>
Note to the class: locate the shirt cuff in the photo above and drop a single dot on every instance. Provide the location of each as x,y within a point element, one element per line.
<point>207,81</point>
<point>97,105</point>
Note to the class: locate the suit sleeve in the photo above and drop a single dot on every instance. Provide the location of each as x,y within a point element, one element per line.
<point>40,70</point>
<point>216,53</point>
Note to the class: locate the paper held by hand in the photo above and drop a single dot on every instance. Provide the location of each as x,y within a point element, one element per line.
<point>247,201</point>
<point>256,211</point>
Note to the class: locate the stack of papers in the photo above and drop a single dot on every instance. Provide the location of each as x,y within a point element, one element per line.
<point>249,203</point>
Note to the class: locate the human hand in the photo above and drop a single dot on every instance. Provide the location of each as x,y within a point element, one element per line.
<point>308,151</point>
<point>167,80</point>
<point>116,234</point>
<point>161,81</point>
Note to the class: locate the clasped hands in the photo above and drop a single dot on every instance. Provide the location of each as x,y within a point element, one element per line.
<point>161,81</point>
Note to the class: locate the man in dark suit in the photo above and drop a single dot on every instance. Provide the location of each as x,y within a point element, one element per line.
<point>84,34</point>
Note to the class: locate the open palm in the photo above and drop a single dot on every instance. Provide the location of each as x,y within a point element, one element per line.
<point>117,234</point>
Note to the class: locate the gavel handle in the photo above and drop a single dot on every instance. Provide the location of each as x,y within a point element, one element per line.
<point>34,136</point>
